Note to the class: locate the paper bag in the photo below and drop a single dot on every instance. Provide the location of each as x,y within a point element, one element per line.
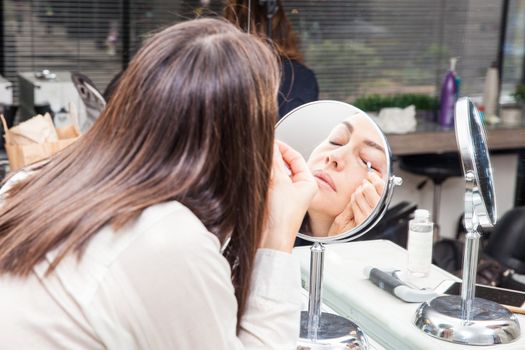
<point>36,139</point>
<point>39,129</point>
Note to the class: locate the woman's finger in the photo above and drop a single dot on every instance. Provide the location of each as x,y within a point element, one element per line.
<point>370,193</point>
<point>359,209</point>
<point>278,161</point>
<point>377,181</point>
<point>296,163</point>
<point>359,217</point>
<point>345,221</point>
<point>364,208</point>
<point>347,212</point>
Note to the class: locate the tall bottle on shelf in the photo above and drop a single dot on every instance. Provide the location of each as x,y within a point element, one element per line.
<point>420,240</point>
<point>490,91</point>
<point>449,95</point>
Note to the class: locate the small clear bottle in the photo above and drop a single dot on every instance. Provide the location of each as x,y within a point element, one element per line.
<point>420,240</point>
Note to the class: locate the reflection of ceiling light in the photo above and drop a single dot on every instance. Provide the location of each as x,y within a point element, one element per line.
<point>295,12</point>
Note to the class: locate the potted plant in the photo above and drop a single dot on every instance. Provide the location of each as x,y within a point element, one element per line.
<point>511,114</point>
<point>519,94</point>
<point>426,106</point>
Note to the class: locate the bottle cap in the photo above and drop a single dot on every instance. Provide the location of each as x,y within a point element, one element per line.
<point>453,61</point>
<point>422,214</point>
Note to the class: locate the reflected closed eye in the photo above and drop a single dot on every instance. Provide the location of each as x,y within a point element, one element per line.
<point>365,162</point>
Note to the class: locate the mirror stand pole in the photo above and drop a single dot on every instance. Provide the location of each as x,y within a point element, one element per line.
<point>315,287</point>
<point>468,320</point>
<point>321,329</point>
<point>470,255</point>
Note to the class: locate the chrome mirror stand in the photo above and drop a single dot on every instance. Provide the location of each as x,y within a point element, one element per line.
<point>466,319</point>
<point>322,330</point>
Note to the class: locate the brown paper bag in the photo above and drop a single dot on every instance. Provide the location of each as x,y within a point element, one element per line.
<point>35,142</point>
<point>39,129</point>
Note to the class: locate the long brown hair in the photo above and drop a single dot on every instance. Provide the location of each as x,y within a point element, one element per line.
<point>283,37</point>
<point>191,120</point>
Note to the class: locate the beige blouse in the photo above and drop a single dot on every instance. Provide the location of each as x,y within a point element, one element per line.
<point>162,283</point>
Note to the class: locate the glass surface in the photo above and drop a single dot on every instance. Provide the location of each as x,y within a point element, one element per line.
<point>356,48</point>
<point>499,295</point>
<point>482,161</point>
<point>364,47</point>
<point>62,35</point>
<point>350,159</point>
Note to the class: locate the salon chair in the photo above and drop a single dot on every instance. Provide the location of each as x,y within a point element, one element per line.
<point>393,226</point>
<point>507,246</point>
<point>436,167</point>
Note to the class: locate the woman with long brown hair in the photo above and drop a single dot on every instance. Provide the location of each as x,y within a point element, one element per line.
<point>298,83</point>
<point>115,243</point>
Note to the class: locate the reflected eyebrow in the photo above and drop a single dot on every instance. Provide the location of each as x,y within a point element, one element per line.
<point>374,145</point>
<point>349,126</point>
<point>369,143</point>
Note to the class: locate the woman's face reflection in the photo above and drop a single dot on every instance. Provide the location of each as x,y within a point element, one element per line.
<point>350,168</point>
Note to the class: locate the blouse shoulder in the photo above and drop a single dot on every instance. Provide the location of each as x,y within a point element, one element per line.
<point>148,279</point>
<point>172,228</point>
<point>166,233</point>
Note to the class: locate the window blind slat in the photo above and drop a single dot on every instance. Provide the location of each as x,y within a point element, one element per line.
<point>355,47</point>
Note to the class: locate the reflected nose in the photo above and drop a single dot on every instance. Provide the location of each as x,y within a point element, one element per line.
<point>335,159</point>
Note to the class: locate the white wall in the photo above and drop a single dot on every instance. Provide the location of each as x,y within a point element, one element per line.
<point>452,192</point>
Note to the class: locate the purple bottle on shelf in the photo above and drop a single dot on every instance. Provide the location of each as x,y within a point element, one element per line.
<point>448,97</point>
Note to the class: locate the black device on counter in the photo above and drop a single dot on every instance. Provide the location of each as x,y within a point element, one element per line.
<point>499,295</point>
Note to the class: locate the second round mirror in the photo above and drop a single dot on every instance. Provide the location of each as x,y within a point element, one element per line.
<point>350,158</point>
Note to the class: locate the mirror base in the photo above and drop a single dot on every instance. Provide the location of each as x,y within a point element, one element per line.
<point>335,332</point>
<point>490,322</point>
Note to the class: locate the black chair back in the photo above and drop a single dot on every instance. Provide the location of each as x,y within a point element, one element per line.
<point>507,242</point>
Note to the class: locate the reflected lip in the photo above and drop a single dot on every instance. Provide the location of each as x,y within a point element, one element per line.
<point>321,175</point>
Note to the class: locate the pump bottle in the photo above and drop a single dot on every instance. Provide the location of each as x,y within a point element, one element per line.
<point>449,94</point>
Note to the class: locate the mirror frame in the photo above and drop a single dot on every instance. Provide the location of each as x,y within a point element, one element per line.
<point>390,182</point>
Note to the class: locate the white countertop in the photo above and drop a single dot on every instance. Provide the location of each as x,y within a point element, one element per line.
<point>386,320</point>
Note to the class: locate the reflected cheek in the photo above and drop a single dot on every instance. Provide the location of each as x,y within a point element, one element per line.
<point>333,204</point>
<point>315,161</point>
<point>323,202</point>
<point>347,188</point>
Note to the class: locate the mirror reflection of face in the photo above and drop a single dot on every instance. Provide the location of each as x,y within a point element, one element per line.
<point>350,167</point>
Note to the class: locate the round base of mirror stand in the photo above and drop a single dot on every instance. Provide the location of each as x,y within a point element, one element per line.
<point>490,323</point>
<point>335,332</point>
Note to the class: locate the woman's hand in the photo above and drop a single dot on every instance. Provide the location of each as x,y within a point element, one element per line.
<point>367,196</point>
<point>292,187</point>
<point>345,221</point>
<point>362,202</point>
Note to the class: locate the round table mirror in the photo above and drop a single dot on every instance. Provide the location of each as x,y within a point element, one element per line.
<point>93,100</point>
<point>468,320</point>
<point>351,161</point>
<point>350,158</point>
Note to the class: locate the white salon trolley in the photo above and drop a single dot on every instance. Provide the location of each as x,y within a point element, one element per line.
<point>386,320</point>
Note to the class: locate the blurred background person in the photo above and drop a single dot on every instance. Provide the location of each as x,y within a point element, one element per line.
<point>298,82</point>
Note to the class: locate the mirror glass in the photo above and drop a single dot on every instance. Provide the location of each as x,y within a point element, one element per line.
<point>482,160</point>
<point>350,159</point>
<point>475,157</point>
<point>91,97</point>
